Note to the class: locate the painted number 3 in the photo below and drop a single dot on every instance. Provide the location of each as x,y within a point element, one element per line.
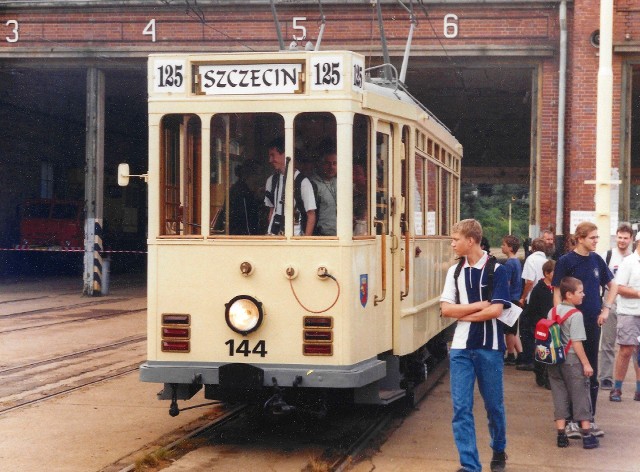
<point>13,24</point>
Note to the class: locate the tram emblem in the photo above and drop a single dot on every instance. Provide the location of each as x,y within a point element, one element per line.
<point>364,289</point>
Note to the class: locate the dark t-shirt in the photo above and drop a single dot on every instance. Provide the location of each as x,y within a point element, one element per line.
<point>540,302</point>
<point>593,272</point>
<point>514,269</point>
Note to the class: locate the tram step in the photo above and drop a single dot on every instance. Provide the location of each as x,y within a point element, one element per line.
<point>388,396</point>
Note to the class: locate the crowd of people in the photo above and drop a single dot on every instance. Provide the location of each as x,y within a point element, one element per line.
<point>594,298</point>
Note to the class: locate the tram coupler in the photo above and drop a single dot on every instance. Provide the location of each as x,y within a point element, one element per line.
<point>173,409</point>
<point>276,405</point>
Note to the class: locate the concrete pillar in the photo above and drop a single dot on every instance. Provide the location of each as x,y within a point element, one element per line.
<point>94,182</point>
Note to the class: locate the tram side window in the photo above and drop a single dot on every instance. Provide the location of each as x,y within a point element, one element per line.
<point>431,200</point>
<point>418,216</point>
<point>180,151</point>
<point>239,166</point>
<point>316,198</point>
<point>361,175</point>
<point>383,142</point>
<point>445,201</point>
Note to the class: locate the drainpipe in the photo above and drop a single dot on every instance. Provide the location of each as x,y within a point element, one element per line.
<point>603,180</point>
<point>562,91</point>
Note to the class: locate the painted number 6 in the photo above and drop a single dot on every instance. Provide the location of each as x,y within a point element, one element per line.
<point>450,25</point>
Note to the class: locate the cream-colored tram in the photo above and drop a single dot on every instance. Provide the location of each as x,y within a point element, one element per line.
<point>290,319</point>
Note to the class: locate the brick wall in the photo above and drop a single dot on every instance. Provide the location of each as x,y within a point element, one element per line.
<point>492,29</point>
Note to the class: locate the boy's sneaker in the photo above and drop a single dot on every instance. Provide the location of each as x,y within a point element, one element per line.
<point>572,430</point>
<point>615,395</point>
<point>590,441</point>
<point>498,461</point>
<point>563,439</point>
<point>606,384</point>
<point>597,432</point>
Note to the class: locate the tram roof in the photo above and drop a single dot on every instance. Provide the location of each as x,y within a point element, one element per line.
<point>296,74</point>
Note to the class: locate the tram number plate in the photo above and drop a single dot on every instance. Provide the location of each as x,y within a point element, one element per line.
<point>245,349</point>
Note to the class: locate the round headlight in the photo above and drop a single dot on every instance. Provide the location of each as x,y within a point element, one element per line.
<point>244,314</point>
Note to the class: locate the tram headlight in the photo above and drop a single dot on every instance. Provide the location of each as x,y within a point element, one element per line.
<point>244,314</point>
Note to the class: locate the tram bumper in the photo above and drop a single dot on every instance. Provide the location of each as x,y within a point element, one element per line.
<point>264,375</point>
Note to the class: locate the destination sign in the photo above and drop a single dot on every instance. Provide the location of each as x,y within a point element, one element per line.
<point>246,79</point>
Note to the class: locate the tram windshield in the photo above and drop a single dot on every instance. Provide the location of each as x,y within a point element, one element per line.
<point>247,161</point>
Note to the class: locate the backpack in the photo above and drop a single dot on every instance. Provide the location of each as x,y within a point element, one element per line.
<point>491,268</point>
<point>549,347</point>
<point>297,196</point>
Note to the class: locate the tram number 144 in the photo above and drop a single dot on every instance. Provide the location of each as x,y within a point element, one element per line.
<point>245,349</point>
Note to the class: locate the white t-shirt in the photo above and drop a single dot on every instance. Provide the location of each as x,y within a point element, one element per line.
<point>306,192</point>
<point>628,274</point>
<point>532,269</point>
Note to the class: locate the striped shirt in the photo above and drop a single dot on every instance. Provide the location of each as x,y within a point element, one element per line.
<point>473,287</point>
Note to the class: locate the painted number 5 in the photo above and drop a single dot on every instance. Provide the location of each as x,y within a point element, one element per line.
<point>16,36</point>
<point>450,25</point>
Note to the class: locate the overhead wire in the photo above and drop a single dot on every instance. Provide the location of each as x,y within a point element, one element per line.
<point>193,10</point>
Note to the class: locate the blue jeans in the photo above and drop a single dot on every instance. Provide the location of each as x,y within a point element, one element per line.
<point>487,366</point>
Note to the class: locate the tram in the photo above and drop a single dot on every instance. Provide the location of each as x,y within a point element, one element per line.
<point>293,320</point>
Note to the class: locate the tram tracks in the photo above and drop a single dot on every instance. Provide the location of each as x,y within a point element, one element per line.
<point>77,318</point>
<point>44,379</point>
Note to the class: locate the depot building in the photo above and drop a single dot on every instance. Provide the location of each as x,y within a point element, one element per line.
<point>515,81</point>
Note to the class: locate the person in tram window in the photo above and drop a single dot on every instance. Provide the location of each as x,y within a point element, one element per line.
<point>359,200</point>
<point>244,204</point>
<point>304,198</point>
<point>326,184</point>
<point>477,349</point>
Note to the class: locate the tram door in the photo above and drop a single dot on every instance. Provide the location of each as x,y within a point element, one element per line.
<point>384,217</point>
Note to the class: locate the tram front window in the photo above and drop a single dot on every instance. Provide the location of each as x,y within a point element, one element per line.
<point>180,153</point>
<point>239,168</point>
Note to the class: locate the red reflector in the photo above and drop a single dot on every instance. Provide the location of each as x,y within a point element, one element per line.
<point>175,346</point>
<point>175,319</point>
<point>317,349</point>
<point>316,335</point>
<point>318,322</point>
<point>175,332</point>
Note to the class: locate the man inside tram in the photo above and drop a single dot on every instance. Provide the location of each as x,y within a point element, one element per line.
<point>327,190</point>
<point>304,199</point>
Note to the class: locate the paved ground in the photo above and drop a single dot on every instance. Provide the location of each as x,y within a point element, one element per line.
<point>91,428</point>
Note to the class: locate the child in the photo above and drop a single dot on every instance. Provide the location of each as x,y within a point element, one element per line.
<point>570,380</point>
<point>510,245</point>
<point>540,302</point>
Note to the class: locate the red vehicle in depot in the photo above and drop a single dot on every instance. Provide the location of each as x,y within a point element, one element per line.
<point>52,223</point>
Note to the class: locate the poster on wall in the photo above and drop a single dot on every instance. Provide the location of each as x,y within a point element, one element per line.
<point>431,223</point>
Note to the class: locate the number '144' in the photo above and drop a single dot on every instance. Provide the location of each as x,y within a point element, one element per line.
<point>245,349</point>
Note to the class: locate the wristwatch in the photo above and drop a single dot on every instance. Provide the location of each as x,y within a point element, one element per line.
<point>606,305</point>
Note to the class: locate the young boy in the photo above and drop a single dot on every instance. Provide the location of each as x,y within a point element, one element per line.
<point>510,245</point>
<point>540,302</point>
<point>570,380</point>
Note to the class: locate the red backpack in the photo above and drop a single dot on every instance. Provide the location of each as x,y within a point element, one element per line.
<point>549,347</point>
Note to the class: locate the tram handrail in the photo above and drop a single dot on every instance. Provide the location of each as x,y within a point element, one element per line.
<point>383,260</point>
<point>405,294</point>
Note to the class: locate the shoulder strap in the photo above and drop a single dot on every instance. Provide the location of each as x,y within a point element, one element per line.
<point>566,316</point>
<point>608,259</point>
<point>456,274</point>
<point>271,194</point>
<point>491,268</point>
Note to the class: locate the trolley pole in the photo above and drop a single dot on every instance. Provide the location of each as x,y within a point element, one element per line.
<point>603,181</point>
<point>94,182</point>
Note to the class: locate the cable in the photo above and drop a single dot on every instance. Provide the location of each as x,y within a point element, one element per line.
<point>319,311</point>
